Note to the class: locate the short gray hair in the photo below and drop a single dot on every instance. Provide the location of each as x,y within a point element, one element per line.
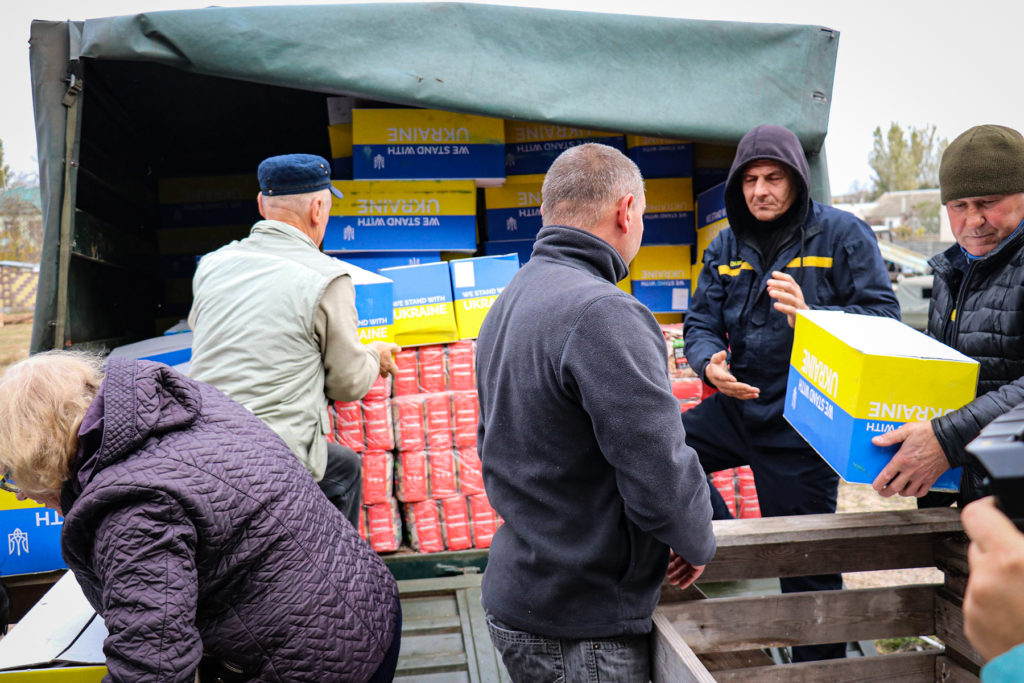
<point>584,181</point>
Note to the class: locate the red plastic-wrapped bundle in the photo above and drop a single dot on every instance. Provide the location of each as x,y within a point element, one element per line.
<point>380,390</point>
<point>380,435</point>
<point>471,477</point>
<point>465,412</point>
<point>455,523</point>
<point>348,425</point>
<point>378,477</point>
<point>410,414</point>
<point>461,373</point>
<point>411,476</point>
<point>750,507</point>
<point>483,520</point>
<point>433,374</point>
<point>407,380</point>
<point>385,526</point>
<point>442,473</point>
<point>688,391</point>
<point>439,421</point>
<point>424,526</point>
<point>725,482</point>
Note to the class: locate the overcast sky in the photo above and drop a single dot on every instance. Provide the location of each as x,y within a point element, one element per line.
<point>951,64</point>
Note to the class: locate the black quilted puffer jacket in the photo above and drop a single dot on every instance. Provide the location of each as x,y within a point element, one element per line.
<point>978,309</point>
<point>192,528</point>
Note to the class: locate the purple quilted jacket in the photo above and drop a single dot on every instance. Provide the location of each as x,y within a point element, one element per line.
<point>192,528</point>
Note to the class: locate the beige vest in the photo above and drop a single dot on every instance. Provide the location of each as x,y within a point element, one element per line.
<point>253,314</point>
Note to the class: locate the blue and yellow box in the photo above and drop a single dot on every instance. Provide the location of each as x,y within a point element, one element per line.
<point>513,210</point>
<point>668,218</point>
<point>660,157</point>
<point>424,312</point>
<point>531,147</point>
<point>32,534</point>
<point>420,215</point>
<point>410,144</point>
<point>711,218</point>
<point>852,377</point>
<point>374,305</point>
<point>660,277</point>
<point>373,261</point>
<point>711,165</point>
<point>476,283</point>
<point>522,248</point>
<point>339,130</point>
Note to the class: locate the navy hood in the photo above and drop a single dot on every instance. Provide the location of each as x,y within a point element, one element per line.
<point>772,143</point>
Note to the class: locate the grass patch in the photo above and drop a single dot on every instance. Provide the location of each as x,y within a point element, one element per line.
<point>14,343</point>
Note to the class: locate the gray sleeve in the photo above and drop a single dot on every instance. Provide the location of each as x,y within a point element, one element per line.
<point>350,367</point>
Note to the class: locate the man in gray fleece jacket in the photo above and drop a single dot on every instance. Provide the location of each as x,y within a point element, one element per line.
<point>584,455</point>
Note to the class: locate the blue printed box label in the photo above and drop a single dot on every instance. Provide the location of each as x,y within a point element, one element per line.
<point>407,144</point>
<point>33,541</point>
<point>660,157</point>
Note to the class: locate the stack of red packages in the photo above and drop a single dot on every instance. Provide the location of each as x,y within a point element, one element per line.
<point>433,369</point>
<point>378,477</point>
<point>407,381</point>
<point>750,507</point>
<point>385,526</point>
<point>424,526</point>
<point>462,365</point>
<point>411,484</point>
<point>484,521</point>
<point>724,482</point>
<point>465,413</point>
<point>688,391</point>
<point>347,427</point>
<point>455,524</point>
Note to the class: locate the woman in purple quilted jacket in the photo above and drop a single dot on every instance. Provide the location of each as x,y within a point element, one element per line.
<point>193,531</point>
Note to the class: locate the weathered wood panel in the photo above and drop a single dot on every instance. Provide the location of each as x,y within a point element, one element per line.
<point>726,624</point>
<point>949,627</point>
<point>822,544</point>
<point>949,671</point>
<point>917,667</point>
<point>672,660</point>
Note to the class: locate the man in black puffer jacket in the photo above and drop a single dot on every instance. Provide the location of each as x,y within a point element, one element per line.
<point>977,308</point>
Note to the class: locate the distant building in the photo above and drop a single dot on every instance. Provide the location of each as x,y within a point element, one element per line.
<point>21,224</point>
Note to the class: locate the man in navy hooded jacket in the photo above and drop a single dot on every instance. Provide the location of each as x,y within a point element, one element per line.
<point>782,252</point>
<point>583,453</point>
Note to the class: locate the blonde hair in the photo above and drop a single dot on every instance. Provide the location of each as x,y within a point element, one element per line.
<point>42,402</point>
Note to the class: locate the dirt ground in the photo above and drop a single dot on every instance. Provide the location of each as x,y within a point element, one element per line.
<point>863,498</point>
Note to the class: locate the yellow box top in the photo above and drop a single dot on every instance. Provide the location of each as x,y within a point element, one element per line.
<point>879,368</point>
<point>525,131</point>
<point>424,127</point>
<point>405,198</point>
<point>666,195</point>
<point>661,262</point>
<point>524,191</point>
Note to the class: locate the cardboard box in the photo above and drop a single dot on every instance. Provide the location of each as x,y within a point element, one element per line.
<point>513,210</point>
<point>32,532</point>
<point>170,349</point>
<point>410,144</point>
<point>531,147</point>
<point>62,629</point>
<point>521,248</point>
<point>476,283</point>
<point>374,305</point>
<point>660,157</point>
<point>374,261</point>
<point>852,377</point>
<point>668,218</point>
<point>425,215</point>
<point>423,308</point>
<point>711,218</point>
<point>711,165</point>
<point>660,276</point>
<point>339,130</point>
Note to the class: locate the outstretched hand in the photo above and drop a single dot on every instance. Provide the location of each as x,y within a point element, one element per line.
<point>718,375</point>
<point>789,298</point>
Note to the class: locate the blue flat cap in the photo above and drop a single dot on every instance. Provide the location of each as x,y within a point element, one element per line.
<point>295,174</point>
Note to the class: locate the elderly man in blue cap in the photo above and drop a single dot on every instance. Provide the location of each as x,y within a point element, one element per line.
<point>274,324</point>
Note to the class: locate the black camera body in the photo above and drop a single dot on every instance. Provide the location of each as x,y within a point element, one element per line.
<point>1000,450</point>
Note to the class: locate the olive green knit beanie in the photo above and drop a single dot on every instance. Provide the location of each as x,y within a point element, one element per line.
<point>983,160</point>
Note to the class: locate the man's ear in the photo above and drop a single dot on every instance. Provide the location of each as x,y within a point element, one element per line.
<point>623,213</point>
<point>259,204</point>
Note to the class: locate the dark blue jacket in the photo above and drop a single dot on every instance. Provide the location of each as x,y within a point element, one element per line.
<point>832,255</point>
<point>977,308</point>
<point>583,451</point>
